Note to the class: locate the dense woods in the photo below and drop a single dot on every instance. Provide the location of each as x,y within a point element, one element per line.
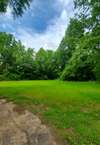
<point>76,58</point>
<point>16,62</point>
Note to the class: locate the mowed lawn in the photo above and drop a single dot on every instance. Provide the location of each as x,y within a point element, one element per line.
<point>70,109</point>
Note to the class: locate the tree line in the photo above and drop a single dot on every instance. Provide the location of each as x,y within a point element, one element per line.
<point>77,57</point>
<point>19,63</point>
<point>82,40</point>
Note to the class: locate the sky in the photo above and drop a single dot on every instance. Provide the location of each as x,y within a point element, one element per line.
<point>42,25</point>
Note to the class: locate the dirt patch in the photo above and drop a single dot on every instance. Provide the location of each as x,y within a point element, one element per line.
<point>19,110</point>
<point>20,127</point>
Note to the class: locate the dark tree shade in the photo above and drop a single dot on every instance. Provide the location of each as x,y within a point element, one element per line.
<point>17,6</point>
<point>3,5</point>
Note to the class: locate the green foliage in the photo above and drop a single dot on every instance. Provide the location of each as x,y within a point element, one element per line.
<point>17,6</point>
<point>81,40</point>
<point>46,69</point>
<point>89,13</point>
<point>68,44</point>
<point>3,5</point>
<point>97,66</point>
<point>80,66</point>
<point>17,63</point>
<point>82,63</point>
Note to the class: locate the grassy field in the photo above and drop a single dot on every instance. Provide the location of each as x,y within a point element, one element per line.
<point>71,109</point>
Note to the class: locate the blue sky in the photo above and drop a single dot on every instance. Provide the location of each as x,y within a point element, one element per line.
<point>42,25</point>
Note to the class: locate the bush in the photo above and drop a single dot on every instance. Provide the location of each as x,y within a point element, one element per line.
<point>80,67</point>
<point>9,76</point>
<point>2,78</point>
<point>97,67</point>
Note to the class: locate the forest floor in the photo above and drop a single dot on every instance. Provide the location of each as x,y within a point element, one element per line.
<point>70,109</point>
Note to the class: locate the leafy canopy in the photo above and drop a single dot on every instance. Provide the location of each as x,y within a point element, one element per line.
<point>17,6</point>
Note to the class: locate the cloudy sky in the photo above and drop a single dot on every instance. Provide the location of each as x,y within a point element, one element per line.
<point>42,25</point>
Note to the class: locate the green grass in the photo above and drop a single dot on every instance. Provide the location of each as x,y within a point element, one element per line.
<point>71,109</point>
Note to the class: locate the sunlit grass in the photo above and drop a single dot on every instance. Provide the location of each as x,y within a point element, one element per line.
<point>72,109</point>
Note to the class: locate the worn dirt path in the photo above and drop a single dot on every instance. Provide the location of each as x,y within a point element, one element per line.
<point>21,127</point>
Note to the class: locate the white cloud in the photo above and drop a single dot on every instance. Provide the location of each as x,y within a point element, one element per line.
<point>64,2</point>
<point>52,36</point>
<point>6,17</point>
<point>50,39</point>
<point>54,33</point>
<point>8,14</point>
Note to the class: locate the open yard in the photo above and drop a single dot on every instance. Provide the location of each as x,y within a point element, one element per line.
<point>70,109</point>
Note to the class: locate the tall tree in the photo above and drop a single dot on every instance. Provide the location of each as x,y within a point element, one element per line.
<point>88,11</point>
<point>15,61</point>
<point>81,65</point>
<point>45,64</point>
<point>73,33</point>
